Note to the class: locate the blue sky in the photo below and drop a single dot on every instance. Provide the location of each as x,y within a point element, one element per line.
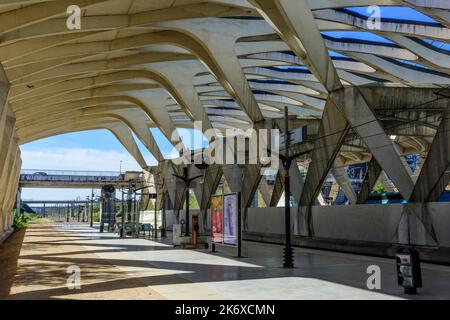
<point>396,13</point>
<point>95,150</point>
<point>99,149</point>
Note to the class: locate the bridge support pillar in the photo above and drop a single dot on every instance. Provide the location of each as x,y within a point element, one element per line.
<point>18,200</point>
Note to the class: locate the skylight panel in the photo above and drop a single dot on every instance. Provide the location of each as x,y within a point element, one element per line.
<point>438,44</point>
<point>400,13</point>
<point>356,35</point>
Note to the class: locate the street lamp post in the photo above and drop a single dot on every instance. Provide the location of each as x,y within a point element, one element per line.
<point>287,160</point>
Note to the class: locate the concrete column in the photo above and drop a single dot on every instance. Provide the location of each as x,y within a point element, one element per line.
<point>433,179</point>
<point>373,172</point>
<point>210,183</point>
<point>334,192</point>
<point>333,129</point>
<point>296,185</point>
<point>5,178</point>
<point>416,225</point>
<point>18,200</point>
<point>9,197</point>
<point>252,178</point>
<point>123,134</point>
<point>365,123</point>
<point>339,172</point>
<point>278,189</point>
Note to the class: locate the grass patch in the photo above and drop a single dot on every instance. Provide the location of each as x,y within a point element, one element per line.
<point>22,220</point>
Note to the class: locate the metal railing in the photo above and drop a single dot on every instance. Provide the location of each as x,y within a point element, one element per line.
<point>43,172</point>
<point>70,176</point>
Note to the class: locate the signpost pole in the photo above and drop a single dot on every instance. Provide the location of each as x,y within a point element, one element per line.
<point>156,218</point>
<point>239,226</point>
<point>187,210</point>
<point>92,208</point>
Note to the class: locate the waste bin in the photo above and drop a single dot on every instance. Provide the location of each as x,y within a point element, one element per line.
<point>409,274</point>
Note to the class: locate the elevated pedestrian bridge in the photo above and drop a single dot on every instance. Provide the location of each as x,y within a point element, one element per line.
<point>38,178</point>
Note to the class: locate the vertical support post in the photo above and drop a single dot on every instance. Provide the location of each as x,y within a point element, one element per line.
<point>101,210</point>
<point>18,201</point>
<point>163,218</point>
<point>136,216</point>
<point>288,254</point>
<point>187,211</point>
<point>239,224</point>
<point>85,212</point>
<point>129,202</point>
<point>123,216</point>
<point>92,208</point>
<point>156,220</point>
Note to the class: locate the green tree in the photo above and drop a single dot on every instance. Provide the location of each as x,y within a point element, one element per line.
<point>379,188</point>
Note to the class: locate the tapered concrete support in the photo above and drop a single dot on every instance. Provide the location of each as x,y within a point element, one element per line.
<point>278,189</point>
<point>9,158</point>
<point>137,122</point>
<point>213,175</point>
<point>233,174</point>
<point>252,178</point>
<point>332,131</point>
<point>159,180</point>
<point>9,186</point>
<point>433,179</point>
<point>373,173</point>
<point>149,183</point>
<point>365,123</point>
<point>13,184</point>
<point>123,134</point>
<point>265,191</point>
<point>7,120</point>
<point>339,172</point>
<point>386,182</point>
<point>176,189</point>
<point>297,183</point>
<point>155,104</point>
<point>180,75</point>
<point>334,191</point>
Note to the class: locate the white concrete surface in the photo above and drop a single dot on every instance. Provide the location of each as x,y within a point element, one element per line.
<point>199,274</point>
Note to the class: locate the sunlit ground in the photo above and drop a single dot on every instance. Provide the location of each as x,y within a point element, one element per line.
<point>114,268</point>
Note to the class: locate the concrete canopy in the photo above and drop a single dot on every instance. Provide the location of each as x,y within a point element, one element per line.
<point>140,64</point>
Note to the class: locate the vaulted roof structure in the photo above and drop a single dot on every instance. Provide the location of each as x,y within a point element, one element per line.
<point>366,85</point>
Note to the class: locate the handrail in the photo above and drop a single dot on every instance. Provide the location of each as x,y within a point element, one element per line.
<point>44,172</point>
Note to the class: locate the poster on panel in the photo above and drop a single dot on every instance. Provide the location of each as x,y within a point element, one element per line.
<point>217,219</point>
<point>230,210</point>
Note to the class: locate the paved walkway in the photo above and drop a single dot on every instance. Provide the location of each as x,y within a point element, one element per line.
<point>114,268</point>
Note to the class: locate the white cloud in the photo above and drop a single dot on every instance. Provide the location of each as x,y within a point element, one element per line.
<point>72,159</point>
<point>56,194</point>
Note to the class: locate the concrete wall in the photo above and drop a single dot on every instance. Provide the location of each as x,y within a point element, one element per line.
<point>171,217</point>
<point>367,223</point>
<point>440,216</point>
<point>368,229</point>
